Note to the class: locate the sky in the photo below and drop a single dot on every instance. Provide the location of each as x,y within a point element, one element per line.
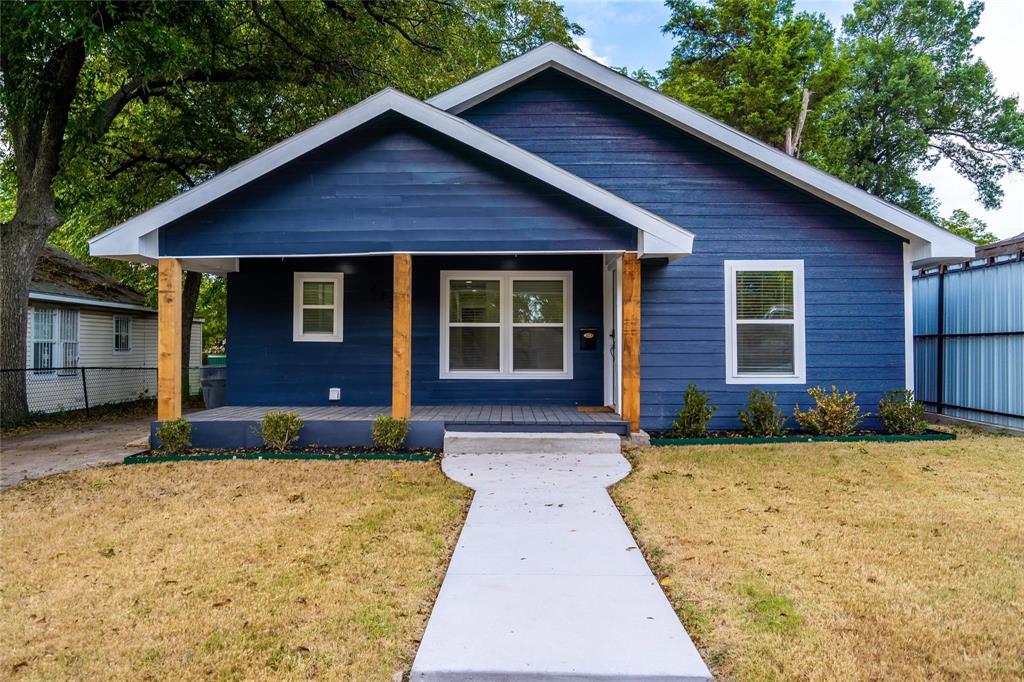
<point>628,33</point>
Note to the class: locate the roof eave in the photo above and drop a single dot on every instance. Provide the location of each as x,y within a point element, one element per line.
<point>139,236</point>
<point>945,245</point>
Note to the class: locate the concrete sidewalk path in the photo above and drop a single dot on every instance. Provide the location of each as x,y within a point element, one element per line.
<point>547,583</point>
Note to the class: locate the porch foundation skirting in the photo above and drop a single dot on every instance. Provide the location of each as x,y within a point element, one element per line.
<point>334,426</point>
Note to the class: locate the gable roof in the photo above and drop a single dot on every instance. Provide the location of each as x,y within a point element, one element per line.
<point>60,278</point>
<point>1002,247</point>
<point>929,242</point>
<point>138,237</point>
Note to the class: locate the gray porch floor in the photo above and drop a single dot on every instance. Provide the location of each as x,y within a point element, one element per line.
<point>520,415</point>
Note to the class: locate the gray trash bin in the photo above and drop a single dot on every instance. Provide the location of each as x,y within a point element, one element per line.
<point>212,380</point>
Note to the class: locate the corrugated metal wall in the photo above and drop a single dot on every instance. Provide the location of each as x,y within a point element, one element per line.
<point>980,327</point>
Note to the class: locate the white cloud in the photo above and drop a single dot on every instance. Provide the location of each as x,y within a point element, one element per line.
<point>587,48</point>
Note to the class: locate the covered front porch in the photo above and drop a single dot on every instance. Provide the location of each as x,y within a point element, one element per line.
<point>434,377</point>
<point>329,426</point>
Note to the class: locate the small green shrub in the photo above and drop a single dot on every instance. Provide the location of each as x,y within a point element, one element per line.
<point>692,420</point>
<point>833,414</point>
<point>762,418</point>
<point>279,429</point>
<point>900,413</point>
<point>175,436</point>
<point>389,433</point>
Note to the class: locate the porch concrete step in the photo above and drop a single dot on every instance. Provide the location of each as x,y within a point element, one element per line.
<point>491,443</point>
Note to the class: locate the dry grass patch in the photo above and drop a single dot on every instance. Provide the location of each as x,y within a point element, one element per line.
<point>841,560</point>
<point>225,570</point>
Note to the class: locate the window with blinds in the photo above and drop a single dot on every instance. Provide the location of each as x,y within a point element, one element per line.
<point>506,325</point>
<point>765,322</point>
<point>318,306</point>
<point>54,341</point>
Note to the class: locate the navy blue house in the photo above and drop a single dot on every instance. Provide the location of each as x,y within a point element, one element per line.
<point>547,236</point>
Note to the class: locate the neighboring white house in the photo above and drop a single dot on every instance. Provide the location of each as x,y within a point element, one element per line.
<point>90,335</point>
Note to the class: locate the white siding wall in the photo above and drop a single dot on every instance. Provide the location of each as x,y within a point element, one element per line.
<point>53,393</point>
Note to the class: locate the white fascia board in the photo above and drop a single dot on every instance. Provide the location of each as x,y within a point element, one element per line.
<point>941,244</point>
<point>130,238</point>
<point>79,300</point>
<point>650,246</point>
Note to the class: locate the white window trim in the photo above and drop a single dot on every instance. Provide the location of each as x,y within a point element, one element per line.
<point>506,277</point>
<point>113,322</point>
<point>337,279</point>
<point>732,375</point>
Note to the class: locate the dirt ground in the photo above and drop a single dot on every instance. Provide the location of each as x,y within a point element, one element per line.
<point>53,451</point>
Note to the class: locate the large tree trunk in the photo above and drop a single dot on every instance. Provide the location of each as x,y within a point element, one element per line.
<point>189,300</point>
<point>21,241</point>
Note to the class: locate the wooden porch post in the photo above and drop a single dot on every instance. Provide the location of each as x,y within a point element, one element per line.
<point>401,338</point>
<point>631,340</point>
<point>168,371</point>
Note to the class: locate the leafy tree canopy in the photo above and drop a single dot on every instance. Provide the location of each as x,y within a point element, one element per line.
<point>108,107</point>
<point>746,62</point>
<point>918,95</point>
<point>962,224</point>
<point>899,90</point>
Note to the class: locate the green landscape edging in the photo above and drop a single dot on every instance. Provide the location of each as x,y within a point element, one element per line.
<point>215,456</point>
<point>880,438</point>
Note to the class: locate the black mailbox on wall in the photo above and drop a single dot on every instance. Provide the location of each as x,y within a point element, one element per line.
<point>588,338</point>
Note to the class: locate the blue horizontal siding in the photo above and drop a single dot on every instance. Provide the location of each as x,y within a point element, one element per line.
<point>267,368</point>
<point>585,388</point>
<point>852,269</point>
<point>394,186</point>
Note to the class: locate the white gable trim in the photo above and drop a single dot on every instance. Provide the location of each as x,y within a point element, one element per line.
<point>135,237</point>
<point>929,243</point>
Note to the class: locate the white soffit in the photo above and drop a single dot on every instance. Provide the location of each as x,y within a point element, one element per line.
<point>928,242</point>
<point>137,236</point>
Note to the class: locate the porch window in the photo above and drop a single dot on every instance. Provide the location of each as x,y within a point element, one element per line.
<point>317,310</point>
<point>54,341</point>
<point>506,325</point>
<point>765,322</point>
<point>122,334</point>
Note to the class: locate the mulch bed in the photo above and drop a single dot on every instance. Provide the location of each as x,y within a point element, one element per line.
<point>344,453</point>
<point>740,438</point>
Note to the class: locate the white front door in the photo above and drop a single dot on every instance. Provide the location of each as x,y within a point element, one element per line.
<point>612,324</point>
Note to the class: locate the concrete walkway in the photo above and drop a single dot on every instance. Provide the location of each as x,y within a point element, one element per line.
<point>56,450</point>
<point>547,582</point>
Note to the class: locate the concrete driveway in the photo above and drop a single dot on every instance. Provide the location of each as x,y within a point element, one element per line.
<point>53,451</point>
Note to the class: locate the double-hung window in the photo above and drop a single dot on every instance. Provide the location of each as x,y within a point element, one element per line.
<point>54,341</point>
<point>122,334</point>
<point>764,331</point>
<point>318,302</point>
<point>506,325</point>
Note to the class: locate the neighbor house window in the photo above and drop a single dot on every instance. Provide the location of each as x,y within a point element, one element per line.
<point>318,300</point>
<point>506,325</point>
<point>122,334</point>
<point>764,331</point>
<point>54,341</point>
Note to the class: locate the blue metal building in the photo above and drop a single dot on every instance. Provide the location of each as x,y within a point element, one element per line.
<point>969,336</point>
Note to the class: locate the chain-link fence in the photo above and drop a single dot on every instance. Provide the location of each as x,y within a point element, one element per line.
<point>67,389</point>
